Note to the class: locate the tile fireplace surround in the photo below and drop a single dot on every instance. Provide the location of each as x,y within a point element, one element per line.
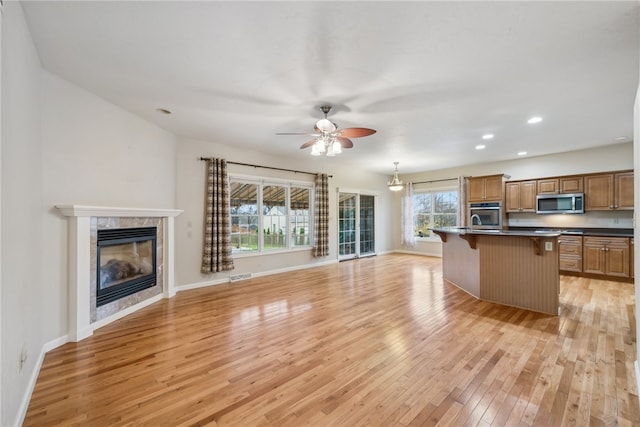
<point>84,221</point>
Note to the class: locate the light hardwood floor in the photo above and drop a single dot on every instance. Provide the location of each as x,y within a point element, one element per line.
<point>377,341</point>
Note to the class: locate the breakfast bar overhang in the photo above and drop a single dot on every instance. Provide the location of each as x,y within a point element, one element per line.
<point>514,268</point>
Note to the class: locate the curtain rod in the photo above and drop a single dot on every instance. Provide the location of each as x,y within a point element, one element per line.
<point>435,180</point>
<point>267,167</point>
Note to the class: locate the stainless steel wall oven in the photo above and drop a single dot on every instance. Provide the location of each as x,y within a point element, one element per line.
<point>487,215</point>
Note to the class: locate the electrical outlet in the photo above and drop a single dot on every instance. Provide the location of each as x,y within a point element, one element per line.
<point>23,357</point>
<point>548,246</point>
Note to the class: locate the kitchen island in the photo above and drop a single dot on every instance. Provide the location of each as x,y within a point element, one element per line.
<point>515,268</point>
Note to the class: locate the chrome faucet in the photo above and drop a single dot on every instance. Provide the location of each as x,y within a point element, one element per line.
<point>474,216</point>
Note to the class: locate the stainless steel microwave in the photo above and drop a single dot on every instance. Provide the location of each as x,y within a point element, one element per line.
<point>560,203</point>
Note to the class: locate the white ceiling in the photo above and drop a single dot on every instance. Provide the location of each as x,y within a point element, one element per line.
<point>431,77</point>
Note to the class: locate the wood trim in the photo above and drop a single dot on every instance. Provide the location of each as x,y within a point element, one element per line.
<point>470,238</point>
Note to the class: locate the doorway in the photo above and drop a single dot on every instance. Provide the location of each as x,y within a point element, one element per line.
<point>356,225</point>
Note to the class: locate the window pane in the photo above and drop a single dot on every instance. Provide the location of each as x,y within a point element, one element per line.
<point>274,217</point>
<point>421,225</point>
<point>444,220</point>
<point>244,216</point>
<point>300,227</point>
<point>434,209</point>
<point>422,203</point>
<point>445,202</point>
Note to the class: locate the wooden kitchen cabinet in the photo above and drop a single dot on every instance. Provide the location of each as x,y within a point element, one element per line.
<point>564,184</point>
<point>632,257</point>
<point>606,255</point>
<point>609,191</point>
<point>570,253</point>
<point>486,188</point>
<point>521,196</point>
<point>623,191</point>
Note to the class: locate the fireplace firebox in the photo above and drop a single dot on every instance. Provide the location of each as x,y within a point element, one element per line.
<point>126,262</point>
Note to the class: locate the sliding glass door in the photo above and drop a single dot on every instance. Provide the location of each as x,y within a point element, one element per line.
<point>356,225</point>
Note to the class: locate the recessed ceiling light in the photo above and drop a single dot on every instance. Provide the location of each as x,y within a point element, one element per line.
<point>487,136</point>
<point>533,120</point>
<point>481,147</point>
<point>620,138</point>
<point>522,153</point>
<point>163,111</point>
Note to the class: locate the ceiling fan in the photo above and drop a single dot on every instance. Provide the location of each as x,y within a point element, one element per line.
<point>328,139</point>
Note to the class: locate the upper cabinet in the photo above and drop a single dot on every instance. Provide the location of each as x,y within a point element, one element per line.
<point>564,184</point>
<point>486,188</point>
<point>521,196</point>
<point>609,191</point>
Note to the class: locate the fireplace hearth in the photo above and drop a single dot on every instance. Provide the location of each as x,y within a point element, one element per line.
<point>126,262</point>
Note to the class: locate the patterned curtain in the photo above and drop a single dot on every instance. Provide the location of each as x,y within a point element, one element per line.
<point>406,220</point>
<point>216,253</point>
<point>461,220</point>
<point>321,223</point>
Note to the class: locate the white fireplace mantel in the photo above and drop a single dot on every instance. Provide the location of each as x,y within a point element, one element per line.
<point>79,216</point>
<point>80,210</point>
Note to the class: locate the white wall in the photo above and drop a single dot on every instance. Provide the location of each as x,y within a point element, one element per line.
<point>190,198</point>
<point>60,144</point>
<point>22,321</point>
<point>1,14</point>
<point>94,153</point>
<point>636,231</point>
<point>601,159</point>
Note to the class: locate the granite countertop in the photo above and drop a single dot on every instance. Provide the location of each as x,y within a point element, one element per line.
<point>529,232</point>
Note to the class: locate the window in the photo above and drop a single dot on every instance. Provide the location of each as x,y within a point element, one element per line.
<point>274,216</point>
<point>300,216</point>
<point>244,216</point>
<point>434,208</point>
<point>268,216</point>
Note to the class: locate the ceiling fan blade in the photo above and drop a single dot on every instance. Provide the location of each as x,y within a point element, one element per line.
<point>345,142</point>
<point>356,132</point>
<point>308,144</point>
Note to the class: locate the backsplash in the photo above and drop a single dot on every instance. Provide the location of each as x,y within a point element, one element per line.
<point>614,219</point>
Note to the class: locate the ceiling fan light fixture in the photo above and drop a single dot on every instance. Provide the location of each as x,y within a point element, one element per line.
<point>315,149</point>
<point>328,139</point>
<point>325,125</point>
<point>395,184</point>
<point>336,147</point>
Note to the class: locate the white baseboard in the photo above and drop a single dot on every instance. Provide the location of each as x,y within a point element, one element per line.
<point>33,378</point>
<point>253,275</point>
<point>197,285</point>
<point>294,268</point>
<point>403,251</point>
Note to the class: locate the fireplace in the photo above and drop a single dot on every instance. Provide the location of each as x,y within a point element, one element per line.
<point>85,315</point>
<point>125,261</point>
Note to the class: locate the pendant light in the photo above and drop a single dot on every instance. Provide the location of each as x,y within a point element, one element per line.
<point>395,184</point>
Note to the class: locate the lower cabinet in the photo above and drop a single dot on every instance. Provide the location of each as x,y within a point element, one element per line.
<point>607,255</point>
<point>570,251</point>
